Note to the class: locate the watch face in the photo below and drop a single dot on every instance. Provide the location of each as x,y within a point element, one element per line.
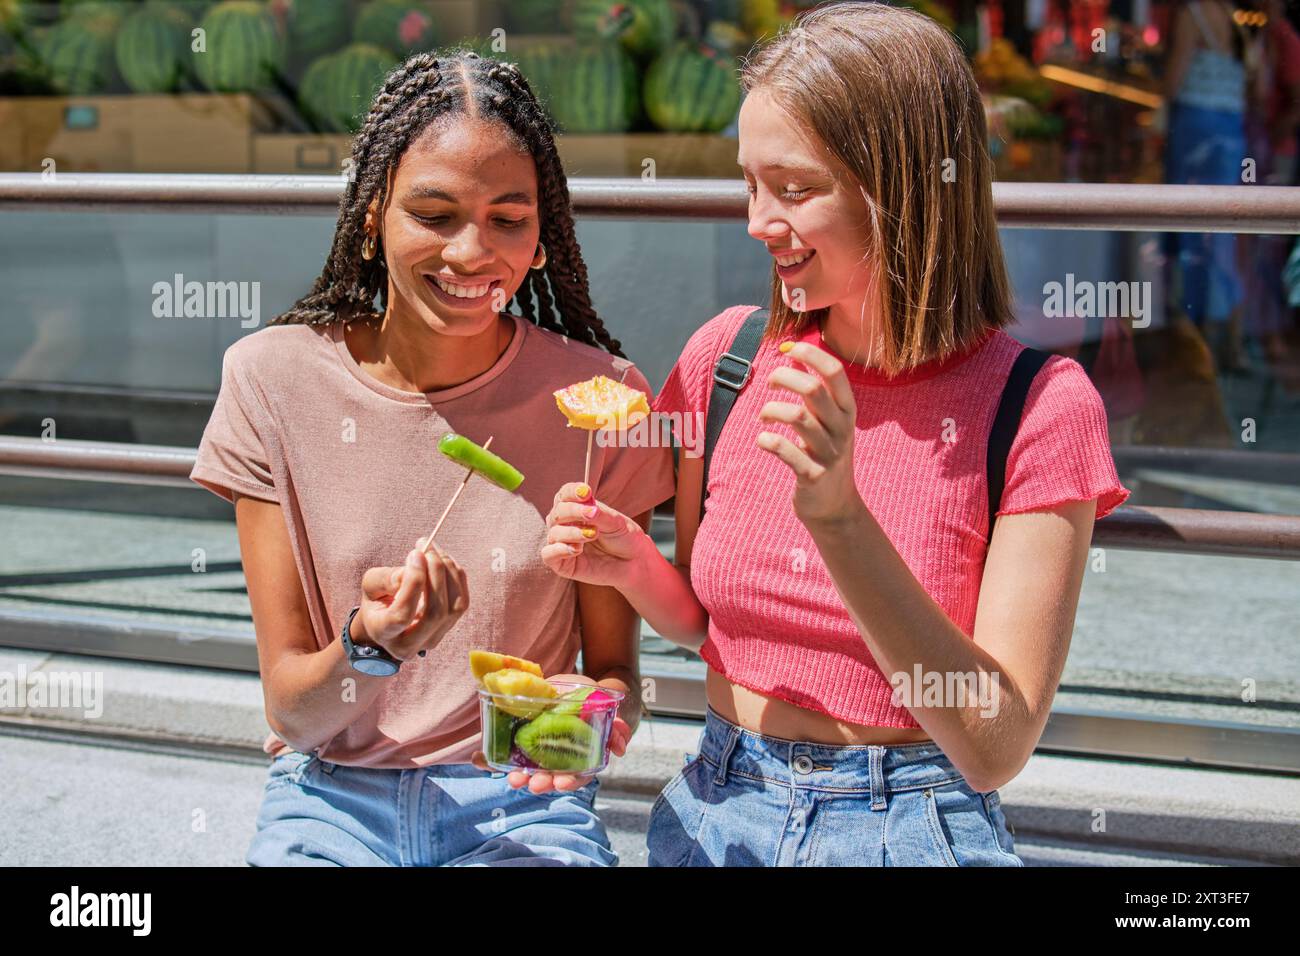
<point>375,666</point>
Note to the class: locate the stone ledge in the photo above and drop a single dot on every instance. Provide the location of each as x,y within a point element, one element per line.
<point>1215,813</point>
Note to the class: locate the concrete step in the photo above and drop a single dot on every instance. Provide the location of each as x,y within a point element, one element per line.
<point>1084,805</point>
<point>83,802</point>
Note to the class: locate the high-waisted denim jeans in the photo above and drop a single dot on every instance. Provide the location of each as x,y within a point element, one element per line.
<point>746,799</point>
<point>318,813</point>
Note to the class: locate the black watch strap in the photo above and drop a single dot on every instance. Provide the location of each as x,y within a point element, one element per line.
<point>366,658</point>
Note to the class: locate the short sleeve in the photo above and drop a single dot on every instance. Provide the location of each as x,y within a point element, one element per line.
<point>231,455</point>
<point>636,478</point>
<point>1061,452</point>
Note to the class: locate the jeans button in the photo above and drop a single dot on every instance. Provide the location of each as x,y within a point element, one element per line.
<point>803,764</point>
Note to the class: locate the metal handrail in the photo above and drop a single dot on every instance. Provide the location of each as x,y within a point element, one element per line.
<point>1119,206</point>
<point>1184,530</point>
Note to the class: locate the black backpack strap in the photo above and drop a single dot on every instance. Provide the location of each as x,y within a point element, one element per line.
<point>730,374</point>
<point>1007,422</point>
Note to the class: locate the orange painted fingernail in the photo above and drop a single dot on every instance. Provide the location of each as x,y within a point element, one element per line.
<point>583,491</point>
<point>786,346</point>
<point>589,532</point>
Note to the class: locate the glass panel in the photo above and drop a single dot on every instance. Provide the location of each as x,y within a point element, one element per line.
<point>1187,636</point>
<point>83,344</point>
<point>97,307</point>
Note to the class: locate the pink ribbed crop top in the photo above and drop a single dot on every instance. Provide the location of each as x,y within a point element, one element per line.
<point>776,623</point>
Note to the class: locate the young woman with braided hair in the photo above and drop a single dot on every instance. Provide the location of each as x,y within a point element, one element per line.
<point>324,437</point>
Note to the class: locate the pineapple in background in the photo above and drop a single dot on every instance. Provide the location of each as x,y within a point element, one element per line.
<point>934,11</point>
<point>1001,69</point>
<point>763,18</point>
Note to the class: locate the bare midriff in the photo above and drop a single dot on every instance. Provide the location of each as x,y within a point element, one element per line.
<point>774,717</point>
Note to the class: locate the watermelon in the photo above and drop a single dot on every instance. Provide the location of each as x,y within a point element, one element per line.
<point>535,16</point>
<point>692,89</point>
<point>9,81</point>
<point>542,65</point>
<point>71,8</point>
<point>103,15</point>
<point>245,48</point>
<point>313,27</point>
<point>77,56</point>
<point>336,91</point>
<point>17,67</point>
<point>22,71</point>
<point>761,18</point>
<point>727,38</point>
<point>152,48</point>
<point>597,91</point>
<point>400,26</point>
<point>645,28</point>
<point>16,16</point>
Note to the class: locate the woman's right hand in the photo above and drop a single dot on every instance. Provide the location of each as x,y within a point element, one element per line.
<point>588,541</point>
<point>408,609</point>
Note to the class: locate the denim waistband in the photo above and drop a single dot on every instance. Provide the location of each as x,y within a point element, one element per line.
<point>874,769</point>
<point>431,770</point>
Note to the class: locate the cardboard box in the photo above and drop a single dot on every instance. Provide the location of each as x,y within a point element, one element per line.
<point>197,132</point>
<point>82,134</point>
<point>303,153</point>
<point>181,133</point>
<point>675,155</point>
<point>11,142</point>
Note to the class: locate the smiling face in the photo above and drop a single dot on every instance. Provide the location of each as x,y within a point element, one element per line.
<point>803,203</point>
<point>461,227</point>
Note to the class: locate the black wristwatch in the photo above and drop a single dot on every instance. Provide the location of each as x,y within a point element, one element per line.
<point>374,661</point>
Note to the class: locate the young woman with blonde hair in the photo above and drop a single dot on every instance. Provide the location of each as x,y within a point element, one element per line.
<point>881,655</point>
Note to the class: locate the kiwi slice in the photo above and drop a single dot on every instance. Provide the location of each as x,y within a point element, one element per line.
<point>559,742</point>
<point>499,731</point>
<point>571,703</point>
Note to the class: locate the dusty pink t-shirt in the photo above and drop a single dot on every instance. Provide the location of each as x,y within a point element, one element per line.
<point>354,466</point>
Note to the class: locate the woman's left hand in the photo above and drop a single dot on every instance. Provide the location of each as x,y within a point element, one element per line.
<point>822,458</point>
<point>543,781</point>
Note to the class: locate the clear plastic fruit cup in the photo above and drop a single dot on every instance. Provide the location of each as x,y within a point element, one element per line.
<point>568,733</point>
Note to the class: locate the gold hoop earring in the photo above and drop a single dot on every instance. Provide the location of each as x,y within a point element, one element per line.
<point>541,265</point>
<point>369,247</point>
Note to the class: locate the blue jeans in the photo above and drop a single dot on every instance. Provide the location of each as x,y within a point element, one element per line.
<point>747,799</point>
<point>318,813</point>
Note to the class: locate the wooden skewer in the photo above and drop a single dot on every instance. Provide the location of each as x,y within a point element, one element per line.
<point>586,469</point>
<point>445,511</point>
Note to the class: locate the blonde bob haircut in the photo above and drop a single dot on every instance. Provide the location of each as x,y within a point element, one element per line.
<point>889,93</point>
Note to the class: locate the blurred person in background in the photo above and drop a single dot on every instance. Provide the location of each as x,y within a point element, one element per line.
<point>1206,80</point>
<point>1272,118</point>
